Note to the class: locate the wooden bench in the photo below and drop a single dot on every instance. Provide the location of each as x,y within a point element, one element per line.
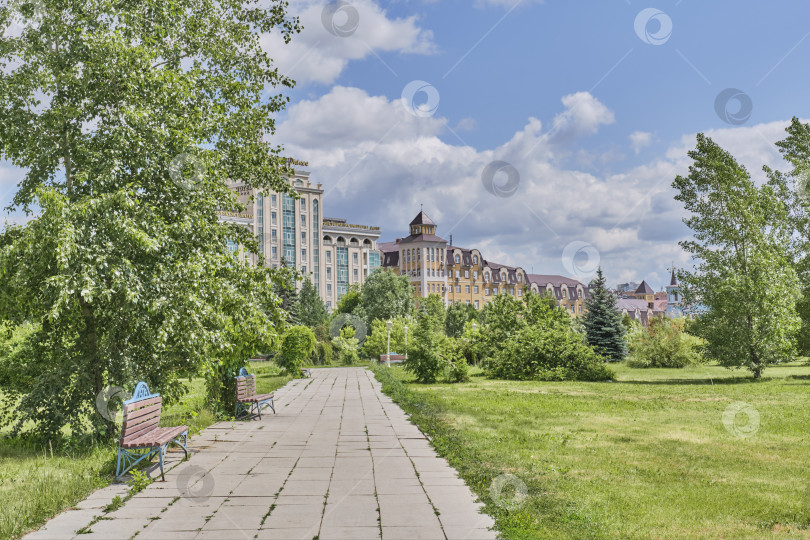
<point>141,438</point>
<point>248,402</point>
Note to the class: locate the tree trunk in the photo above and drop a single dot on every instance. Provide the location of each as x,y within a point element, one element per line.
<point>91,350</point>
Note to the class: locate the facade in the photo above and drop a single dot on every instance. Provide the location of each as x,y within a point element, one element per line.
<point>350,254</point>
<point>463,276</point>
<point>293,232</point>
<point>641,305</point>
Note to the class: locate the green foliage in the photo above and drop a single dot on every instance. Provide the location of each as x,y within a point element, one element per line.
<point>455,320</point>
<point>347,346</point>
<point>434,307</point>
<point>453,352</point>
<point>297,344</point>
<point>138,480</point>
<point>126,272</point>
<point>664,343</point>
<point>423,354</point>
<point>311,309</point>
<point>500,318</point>
<point>350,302</point>
<point>386,296</point>
<point>744,276</point>
<point>603,323</point>
<point>323,354</point>
<point>376,342</point>
<point>290,299</point>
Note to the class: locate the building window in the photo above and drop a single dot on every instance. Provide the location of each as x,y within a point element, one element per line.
<point>356,277</point>
<point>458,288</point>
<point>273,220</point>
<point>303,253</point>
<point>475,274</point>
<point>486,291</point>
<point>565,293</point>
<point>458,274</point>
<point>303,237</point>
<point>467,289</point>
<point>468,302</point>
<point>303,205</point>
<point>273,235</point>
<point>329,273</point>
<point>467,274</point>
<point>303,269</point>
<point>494,290</point>
<point>274,252</point>
<point>328,256</point>
<point>475,261</point>
<point>458,259</point>
<point>476,304</point>
<point>329,288</point>
<point>354,258</point>
<point>580,309</point>
<point>520,292</point>
<point>303,220</point>
<point>273,200</point>
<point>475,289</point>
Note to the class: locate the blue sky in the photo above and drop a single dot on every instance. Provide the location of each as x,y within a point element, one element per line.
<point>595,119</point>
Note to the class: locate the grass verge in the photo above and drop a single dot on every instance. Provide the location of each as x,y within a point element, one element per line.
<point>647,456</point>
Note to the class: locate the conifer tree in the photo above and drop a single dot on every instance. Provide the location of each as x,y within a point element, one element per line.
<point>312,311</point>
<point>603,321</point>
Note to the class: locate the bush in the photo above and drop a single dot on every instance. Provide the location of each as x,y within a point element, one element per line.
<point>537,352</point>
<point>453,353</point>
<point>322,356</point>
<point>297,344</point>
<point>664,343</point>
<point>347,346</point>
<point>423,357</point>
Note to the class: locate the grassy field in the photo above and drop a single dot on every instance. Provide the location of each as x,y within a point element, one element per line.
<point>39,481</point>
<point>648,456</point>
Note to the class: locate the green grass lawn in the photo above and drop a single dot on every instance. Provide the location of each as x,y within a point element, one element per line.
<point>37,481</point>
<point>647,456</point>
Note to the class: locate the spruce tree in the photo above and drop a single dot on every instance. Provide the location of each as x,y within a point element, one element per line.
<point>603,322</point>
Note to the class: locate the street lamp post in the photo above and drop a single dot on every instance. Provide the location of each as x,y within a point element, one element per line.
<point>388,356</point>
<point>406,343</point>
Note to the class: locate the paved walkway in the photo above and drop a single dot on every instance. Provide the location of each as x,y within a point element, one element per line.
<point>339,461</point>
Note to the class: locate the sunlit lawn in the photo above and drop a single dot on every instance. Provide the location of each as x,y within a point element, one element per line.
<point>35,484</point>
<point>647,456</point>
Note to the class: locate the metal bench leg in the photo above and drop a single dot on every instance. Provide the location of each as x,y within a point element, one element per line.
<point>118,472</point>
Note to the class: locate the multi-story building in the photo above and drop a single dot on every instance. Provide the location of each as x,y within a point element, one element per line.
<point>350,255</point>
<point>463,276</point>
<point>293,232</point>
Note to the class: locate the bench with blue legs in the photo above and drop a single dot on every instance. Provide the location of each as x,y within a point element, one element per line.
<point>248,403</point>
<point>141,438</point>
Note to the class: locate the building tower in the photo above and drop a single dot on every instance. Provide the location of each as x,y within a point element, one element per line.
<point>422,257</point>
<point>674,298</point>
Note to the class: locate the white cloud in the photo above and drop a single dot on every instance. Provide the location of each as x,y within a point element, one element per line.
<point>378,165</point>
<point>640,140</point>
<point>316,55</point>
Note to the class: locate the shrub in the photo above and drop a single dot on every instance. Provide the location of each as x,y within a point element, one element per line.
<point>664,343</point>
<point>347,346</point>
<point>322,356</point>
<point>538,352</point>
<point>423,357</point>
<point>456,368</point>
<point>297,344</point>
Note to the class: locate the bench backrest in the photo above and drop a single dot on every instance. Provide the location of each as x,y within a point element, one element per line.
<point>141,413</point>
<point>245,387</point>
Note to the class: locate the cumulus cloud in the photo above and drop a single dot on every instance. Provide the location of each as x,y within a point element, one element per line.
<point>358,30</point>
<point>378,163</point>
<point>640,140</point>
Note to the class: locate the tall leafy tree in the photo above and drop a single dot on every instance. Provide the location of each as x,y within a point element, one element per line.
<point>603,321</point>
<point>794,188</point>
<point>127,117</point>
<point>434,307</point>
<point>743,275</point>
<point>455,320</point>
<point>312,311</point>
<point>386,295</point>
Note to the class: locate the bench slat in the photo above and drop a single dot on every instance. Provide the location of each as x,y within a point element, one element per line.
<point>140,429</point>
<point>141,404</point>
<point>140,413</point>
